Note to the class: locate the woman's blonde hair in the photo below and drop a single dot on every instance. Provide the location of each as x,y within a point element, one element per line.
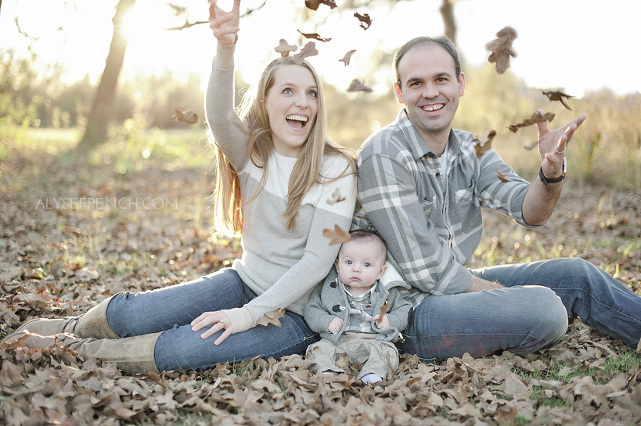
<point>227,197</point>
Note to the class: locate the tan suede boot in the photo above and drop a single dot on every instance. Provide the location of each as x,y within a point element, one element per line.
<point>92,324</point>
<point>132,355</point>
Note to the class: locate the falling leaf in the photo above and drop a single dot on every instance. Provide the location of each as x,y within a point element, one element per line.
<point>501,49</point>
<point>186,116</point>
<point>535,118</point>
<point>364,20</point>
<point>308,50</point>
<point>384,309</point>
<point>558,96</point>
<point>337,236</point>
<point>502,177</point>
<point>284,48</point>
<point>482,146</point>
<point>271,317</point>
<point>314,36</point>
<point>336,197</point>
<point>313,4</point>
<point>347,57</point>
<point>358,86</point>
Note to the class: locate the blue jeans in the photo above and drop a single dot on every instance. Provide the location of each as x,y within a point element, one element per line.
<point>170,310</point>
<point>525,316</point>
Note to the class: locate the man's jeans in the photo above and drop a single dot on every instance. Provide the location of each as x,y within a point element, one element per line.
<point>525,316</point>
<point>172,309</point>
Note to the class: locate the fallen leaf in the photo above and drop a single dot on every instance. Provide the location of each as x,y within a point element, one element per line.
<point>186,116</point>
<point>348,56</point>
<point>364,20</point>
<point>336,197</point>
<point>501,49</point>
<point>384,309</point>
<point>358,86</point>
<point>284,48</point>
<point>482,146</point>
<point>558,96</point>
<point>308,50</point>
<point>313,4</point>
<point>502,177</point>
<point>536,117</point>
<point>271,317</point>
<point>337,236</point>
<point>314,36</point>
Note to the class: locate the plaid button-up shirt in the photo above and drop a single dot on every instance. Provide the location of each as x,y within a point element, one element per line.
<point>431,225</point>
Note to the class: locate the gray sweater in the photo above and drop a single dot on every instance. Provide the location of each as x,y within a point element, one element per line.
<point>280,266</point>
<point>330,300</point>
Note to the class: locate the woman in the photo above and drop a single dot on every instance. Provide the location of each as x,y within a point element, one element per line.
<point>277,181</point>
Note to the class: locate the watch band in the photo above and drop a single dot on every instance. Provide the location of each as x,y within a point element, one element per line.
<point>547,180</point>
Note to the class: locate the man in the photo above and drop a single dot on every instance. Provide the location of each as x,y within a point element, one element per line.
<point>422,186</point>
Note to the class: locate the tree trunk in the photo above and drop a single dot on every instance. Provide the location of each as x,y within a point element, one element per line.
<point>447,13</point>
<point>100,113</point>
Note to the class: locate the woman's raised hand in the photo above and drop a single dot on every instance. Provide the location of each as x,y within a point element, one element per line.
<point>225,25</point>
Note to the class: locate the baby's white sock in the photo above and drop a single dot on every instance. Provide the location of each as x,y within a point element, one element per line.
<point>371,378</point>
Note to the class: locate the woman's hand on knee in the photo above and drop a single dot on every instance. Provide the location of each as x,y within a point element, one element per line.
<point>220,321</point>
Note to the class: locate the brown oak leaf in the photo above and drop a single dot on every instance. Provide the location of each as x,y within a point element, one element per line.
<point>336,197</point>
<point>271,317</point>
<point>347,57</point>
<point>502,177</point>
<point>313,4</point>
<point>358,86</point>
<point>308,50</point>
<point>364,20</point>
<point>186,116</point>
<point>337,236</point>
<point>482,146</point>
<point>536,117</point>
<point>558,96</point>
<point>384,309</point>
<point>315,36</point>
<point>501,49</point>
<point>285,48</point>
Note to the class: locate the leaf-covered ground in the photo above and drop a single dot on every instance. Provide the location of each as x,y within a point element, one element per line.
<point>75,232</point>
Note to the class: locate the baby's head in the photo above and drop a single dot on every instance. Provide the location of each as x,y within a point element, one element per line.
<point>361,260</point>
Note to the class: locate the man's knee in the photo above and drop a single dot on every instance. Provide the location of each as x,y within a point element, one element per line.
<point>551,318</point>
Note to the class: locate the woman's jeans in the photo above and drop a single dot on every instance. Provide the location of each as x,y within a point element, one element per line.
<point>171,310</point>
<point>525,315</point>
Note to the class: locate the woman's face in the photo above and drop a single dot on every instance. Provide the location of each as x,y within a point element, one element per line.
<point>292,105</point>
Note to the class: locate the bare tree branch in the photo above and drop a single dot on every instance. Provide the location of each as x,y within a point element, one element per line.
<point>188,24</point>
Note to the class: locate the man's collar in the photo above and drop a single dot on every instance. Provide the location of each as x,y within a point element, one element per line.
<point>416,144</point>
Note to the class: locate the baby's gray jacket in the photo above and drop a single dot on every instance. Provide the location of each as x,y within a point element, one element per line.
<point>329,300</point>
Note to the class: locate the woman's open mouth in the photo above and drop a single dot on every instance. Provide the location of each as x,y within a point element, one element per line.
<point>297,121</point>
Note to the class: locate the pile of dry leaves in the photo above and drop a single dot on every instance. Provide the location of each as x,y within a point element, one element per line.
<point>57,261</point>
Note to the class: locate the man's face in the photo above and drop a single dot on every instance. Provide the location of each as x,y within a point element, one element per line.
<point>430,90</point>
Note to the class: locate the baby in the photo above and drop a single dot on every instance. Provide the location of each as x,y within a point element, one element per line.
<point>356,314</point>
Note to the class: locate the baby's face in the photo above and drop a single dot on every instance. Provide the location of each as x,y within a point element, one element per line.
<point>360,264</point>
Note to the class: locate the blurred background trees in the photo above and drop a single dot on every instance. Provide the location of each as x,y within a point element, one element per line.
<point>33,96</point>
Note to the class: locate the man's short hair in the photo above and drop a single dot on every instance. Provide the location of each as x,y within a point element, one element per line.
<point>442,41</point>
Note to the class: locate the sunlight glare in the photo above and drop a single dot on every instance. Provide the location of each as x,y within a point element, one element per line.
<point>144,19</point>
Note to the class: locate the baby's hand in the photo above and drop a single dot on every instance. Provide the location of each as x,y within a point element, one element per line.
<point>335,325</point>
<point>382,323</point>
